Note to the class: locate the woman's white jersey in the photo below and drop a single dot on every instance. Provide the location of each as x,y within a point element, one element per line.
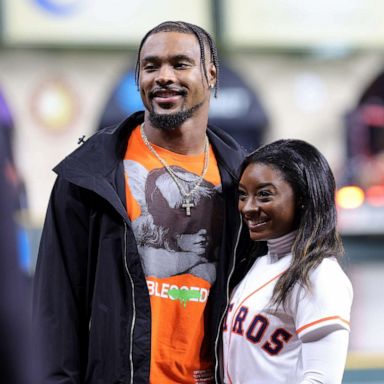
<point>263,344</point>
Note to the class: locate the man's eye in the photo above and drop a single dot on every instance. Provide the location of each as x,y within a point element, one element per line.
<point>149,67</point>
<point>181,65</point>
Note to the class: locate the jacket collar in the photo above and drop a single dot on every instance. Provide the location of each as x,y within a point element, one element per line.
<point>100,154</point>
<point>229,154</point>
<point>96,165</point>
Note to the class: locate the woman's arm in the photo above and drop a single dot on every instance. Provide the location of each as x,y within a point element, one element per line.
<point>324,359</point>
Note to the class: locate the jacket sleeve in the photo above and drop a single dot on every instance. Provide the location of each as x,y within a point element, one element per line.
<point>59,305</point>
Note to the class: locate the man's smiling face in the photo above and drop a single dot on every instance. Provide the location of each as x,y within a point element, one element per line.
<point>172,81</point>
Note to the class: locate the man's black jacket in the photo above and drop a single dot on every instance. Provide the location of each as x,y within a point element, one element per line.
<point>92,313</point>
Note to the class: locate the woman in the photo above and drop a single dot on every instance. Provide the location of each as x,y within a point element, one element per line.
<point>288,318</point>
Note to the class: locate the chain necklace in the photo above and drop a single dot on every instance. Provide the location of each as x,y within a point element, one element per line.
<point>187,204</point>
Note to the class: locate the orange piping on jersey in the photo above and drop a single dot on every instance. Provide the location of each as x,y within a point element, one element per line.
<point>320,321</point>
<point>255,291</point>
<point>239,306</point>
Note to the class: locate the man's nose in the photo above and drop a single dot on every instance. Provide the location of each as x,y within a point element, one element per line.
<point>165,75</point>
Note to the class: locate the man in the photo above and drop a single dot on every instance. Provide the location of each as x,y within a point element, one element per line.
<point>132,276</point>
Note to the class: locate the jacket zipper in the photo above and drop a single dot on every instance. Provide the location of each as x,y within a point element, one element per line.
<point>227,302</point>
<point>133,302</point>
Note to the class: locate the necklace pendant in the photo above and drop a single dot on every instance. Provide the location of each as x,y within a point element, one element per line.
<point>187,205</point>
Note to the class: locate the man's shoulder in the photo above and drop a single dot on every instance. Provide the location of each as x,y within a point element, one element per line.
<point>102,149</point>
<point>228,151</point>
<point>224,138</point>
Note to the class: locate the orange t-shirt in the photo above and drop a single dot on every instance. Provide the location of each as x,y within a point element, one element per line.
<point>178,253</point>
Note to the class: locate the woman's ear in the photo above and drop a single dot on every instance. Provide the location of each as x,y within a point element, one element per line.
<point>300,205</point>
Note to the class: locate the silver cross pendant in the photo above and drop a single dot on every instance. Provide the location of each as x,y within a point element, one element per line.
<point>187,205</point>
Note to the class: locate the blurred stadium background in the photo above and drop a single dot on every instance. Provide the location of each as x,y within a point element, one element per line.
<point>300,69</point>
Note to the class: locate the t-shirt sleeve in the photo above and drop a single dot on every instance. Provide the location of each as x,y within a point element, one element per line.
<point>326,307</point>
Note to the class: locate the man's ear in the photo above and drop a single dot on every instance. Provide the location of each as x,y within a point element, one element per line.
<point>212,74</point>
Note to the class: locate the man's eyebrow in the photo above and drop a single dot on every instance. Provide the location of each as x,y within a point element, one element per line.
<point>182,57</point>
<point>150,59</point>
<point>155,59</point>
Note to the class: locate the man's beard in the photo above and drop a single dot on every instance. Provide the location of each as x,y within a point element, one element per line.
<point>169,122</point>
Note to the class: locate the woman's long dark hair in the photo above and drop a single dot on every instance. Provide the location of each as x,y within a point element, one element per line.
<point>310,176</point>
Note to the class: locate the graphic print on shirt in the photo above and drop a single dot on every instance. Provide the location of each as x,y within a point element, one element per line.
<point>178,253</point>
<point>166,249</point>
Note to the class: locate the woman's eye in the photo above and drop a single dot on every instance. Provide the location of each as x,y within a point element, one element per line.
<point>264,194</point>
<point>242,195</point>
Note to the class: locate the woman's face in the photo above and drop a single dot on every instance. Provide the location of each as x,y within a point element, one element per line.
<point>266,202</point>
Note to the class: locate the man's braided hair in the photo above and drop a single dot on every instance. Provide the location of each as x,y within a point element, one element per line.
<point>203,37</point>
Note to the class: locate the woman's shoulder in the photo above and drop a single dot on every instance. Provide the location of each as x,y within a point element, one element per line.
<point>329,264</point>
<point>329,276</point>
